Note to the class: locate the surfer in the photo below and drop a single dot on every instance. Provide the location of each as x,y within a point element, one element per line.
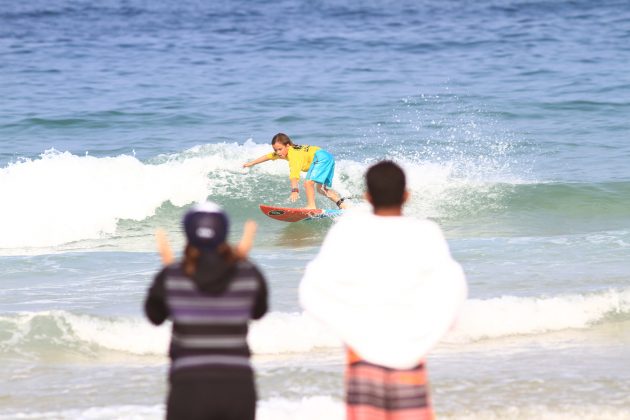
<point>210,295</point>
<point>318,164</point>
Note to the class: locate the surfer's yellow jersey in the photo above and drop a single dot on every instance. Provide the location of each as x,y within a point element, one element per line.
<point>300,159</point>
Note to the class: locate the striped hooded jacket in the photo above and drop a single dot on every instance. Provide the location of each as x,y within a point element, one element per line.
<point>210,314</point>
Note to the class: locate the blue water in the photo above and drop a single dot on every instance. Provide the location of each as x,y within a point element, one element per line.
<point>511,119</point>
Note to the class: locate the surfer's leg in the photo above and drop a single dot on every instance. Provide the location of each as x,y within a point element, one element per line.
<point>309,190</point>
<point>321,173</point>
<point>332,195</point>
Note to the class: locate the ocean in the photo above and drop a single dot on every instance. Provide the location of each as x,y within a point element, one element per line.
<point>511,119</point>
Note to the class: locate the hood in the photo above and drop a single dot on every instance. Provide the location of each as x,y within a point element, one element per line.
<point>213,273</point>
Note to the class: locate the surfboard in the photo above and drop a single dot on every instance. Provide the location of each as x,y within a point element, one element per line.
<point>289,214</point>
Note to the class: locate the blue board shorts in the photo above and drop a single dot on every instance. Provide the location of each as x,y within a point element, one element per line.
<point>322,169</point>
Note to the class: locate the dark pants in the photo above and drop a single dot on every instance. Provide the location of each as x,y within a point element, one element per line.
<point>212,399</point>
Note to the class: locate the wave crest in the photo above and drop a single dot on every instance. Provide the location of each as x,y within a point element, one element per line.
<point>280,333</point>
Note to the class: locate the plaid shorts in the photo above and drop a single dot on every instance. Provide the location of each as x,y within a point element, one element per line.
<point>375,392</point>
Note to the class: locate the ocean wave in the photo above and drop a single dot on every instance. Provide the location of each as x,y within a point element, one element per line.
<point>537,208</point>
<point>512,316</point>
<point>570,200</point>
<point>60,199</point>
<point>280,333</point>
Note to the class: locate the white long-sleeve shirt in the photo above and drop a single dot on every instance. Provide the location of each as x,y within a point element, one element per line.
<point>386,285</point>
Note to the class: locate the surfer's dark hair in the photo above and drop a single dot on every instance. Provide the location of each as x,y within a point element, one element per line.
<point>386,184</point>
<point>284,139</point>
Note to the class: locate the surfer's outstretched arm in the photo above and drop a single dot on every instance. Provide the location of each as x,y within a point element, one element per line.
<point>261,159</point>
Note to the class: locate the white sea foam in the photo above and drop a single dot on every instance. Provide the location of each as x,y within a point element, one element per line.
<point>326,407</point>
<point>131,335</point>
<point>284,333</point>
<point>126,412</point>
<point>281,332</point>
<point>117,412</point>
<point>542,412</point>
<point>307,408</point>
<point>61,197</point>
<point>509,315</point>
<point>31,330</point>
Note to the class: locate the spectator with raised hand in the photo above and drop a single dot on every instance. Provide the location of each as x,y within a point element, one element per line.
<point>210,295</point>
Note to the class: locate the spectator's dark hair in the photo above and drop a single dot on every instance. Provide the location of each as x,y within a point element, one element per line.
<point>194,258</point>
<point>386,184</point>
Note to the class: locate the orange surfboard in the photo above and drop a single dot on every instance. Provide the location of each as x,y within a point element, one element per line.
<point>289,214</point>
